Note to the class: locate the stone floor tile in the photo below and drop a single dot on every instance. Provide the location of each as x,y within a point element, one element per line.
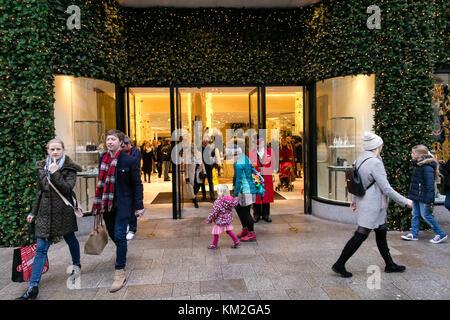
<point>341,293</point>
<point>142,277</point>
<point>206,272</point>
<point>424,290</point>
<point>248,259</point>
<point>175,274</point>
<point>153,253</point>
<point>221,286</point>
<point>188,288</point>
<point>410,261</point>
<point>290,282</point>
<point>412,274</point>
<point>445,271</point>
<point>237,271</point>
<point>174,298</point>
<point>212,296</point>
<point>146,292</point>
<point>104,294</point>
<point>257,284</point>
<point>251,296</point>
<point>307,294</point>
<point>273,295</point>
<point>67,294</point>
<point>265,270</point>
<point>387,291</point>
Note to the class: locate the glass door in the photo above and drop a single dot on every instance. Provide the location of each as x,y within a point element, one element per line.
<point>177,176</point>
<point>309,143</point>
<point>254,103</point>
<point>130,115</point>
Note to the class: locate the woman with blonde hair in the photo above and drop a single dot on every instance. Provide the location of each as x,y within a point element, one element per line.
<point>53,217</point>
<point>421,191</point>
<point>372,207</point>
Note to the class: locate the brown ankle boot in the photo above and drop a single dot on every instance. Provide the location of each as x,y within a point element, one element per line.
<point>119,280</point>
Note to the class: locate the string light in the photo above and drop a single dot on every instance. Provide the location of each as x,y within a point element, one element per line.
<point>163,46</point>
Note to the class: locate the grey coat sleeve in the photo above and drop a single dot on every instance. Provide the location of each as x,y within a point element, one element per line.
<point>380,176</point>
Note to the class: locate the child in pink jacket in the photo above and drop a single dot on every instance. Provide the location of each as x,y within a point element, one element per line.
<point>222,216</point>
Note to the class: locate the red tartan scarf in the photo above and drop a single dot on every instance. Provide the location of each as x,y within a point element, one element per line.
<point>104,195</point>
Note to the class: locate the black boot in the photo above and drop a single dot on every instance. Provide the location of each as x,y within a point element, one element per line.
<point>350,248</point>
<point>30,294</point>
<point>391,266</point>
<point>195,202</point>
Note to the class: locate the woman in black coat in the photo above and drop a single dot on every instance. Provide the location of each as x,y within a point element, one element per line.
<point>53,217</point>
<point>148,156</point>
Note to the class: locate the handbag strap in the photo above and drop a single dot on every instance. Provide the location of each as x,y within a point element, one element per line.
<point>60,195</point>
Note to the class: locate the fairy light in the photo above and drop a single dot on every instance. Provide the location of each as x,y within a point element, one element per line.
<point>162,46</point>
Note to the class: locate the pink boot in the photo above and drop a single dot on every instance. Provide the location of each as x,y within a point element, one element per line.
<point>250,237</point>
<point>243,233</point>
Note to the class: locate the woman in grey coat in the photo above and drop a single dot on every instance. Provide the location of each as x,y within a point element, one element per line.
<point>53,217</point>
<point>194,167</point>
<point>372,207</point>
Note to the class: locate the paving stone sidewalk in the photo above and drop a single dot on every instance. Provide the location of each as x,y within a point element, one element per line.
<point>291,260</point>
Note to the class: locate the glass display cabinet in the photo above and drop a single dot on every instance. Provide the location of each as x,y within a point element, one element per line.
<point>341,145</point>
<point>88,143</point>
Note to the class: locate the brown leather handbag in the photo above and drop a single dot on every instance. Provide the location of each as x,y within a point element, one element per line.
<point>98,238</point>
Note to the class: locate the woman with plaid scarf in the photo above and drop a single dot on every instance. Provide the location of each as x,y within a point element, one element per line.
<point>118,195</point>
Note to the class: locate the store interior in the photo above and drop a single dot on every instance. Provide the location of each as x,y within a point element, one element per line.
<point>218,109</point>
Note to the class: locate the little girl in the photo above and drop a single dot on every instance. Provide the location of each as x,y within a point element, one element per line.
<point>421,192</point>
<point>222,216</point>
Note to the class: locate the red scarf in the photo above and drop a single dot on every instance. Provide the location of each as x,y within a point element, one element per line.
<point>104,194</point>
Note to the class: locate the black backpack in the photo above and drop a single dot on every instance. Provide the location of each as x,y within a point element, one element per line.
<point>354,182</point>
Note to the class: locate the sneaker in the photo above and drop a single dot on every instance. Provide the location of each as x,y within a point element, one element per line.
<point>130,235</point>
<point>410,237</point>
<point>236,245</point>
<point>211,246</point>
<point>438,238</point>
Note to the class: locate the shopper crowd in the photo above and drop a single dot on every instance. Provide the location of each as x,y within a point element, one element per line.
<point>119,194</point>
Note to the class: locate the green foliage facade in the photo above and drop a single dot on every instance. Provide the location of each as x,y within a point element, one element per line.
<point>166,46</point>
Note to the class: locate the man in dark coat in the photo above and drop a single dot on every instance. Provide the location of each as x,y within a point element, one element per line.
<point>133,152</point>
<point>119,194</point>
<point>165,157</point>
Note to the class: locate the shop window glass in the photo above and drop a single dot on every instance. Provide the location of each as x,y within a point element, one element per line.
<point>84,110</point>
<point>344,112</point>
<point>441,130</point>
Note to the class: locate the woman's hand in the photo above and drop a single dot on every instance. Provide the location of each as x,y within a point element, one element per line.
<point>53,166</point>
<point>353,206</point>
<point>30,218</point>
<point>409,204</point>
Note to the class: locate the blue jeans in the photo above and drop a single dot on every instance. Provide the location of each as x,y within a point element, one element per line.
<point>420,209</point>
<point>41,256</point>
<point>117,230</point>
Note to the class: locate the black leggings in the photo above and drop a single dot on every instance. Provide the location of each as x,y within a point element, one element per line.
<point>245,217</point>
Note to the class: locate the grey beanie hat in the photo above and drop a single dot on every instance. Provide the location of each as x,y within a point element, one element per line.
<point>371,141</point>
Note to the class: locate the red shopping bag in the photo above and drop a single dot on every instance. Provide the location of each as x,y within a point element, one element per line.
<point>23,259</point>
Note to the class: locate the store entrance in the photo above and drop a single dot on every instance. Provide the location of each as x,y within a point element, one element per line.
<point>214,117</point>
<point>148,115</point>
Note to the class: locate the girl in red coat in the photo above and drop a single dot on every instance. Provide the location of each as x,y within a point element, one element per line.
<point>264,161</point>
